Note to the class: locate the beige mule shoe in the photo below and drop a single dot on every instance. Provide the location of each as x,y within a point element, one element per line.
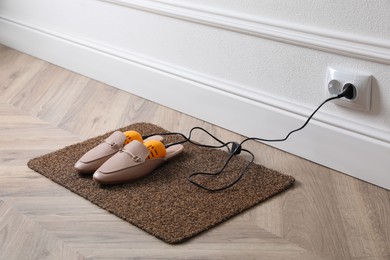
<point>98,155</point>
<point>134,161</point>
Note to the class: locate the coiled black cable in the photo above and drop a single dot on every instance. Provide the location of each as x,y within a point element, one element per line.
<point>236,148</point>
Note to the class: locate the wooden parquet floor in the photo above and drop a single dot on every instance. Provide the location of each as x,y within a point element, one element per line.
<point>326,215</point>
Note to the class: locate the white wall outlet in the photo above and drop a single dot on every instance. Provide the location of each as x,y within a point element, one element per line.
<point>336,80</point>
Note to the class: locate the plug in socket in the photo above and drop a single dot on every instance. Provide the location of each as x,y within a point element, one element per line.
<point>337,80</point>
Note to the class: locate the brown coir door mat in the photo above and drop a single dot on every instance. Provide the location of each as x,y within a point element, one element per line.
<point>165,204</point>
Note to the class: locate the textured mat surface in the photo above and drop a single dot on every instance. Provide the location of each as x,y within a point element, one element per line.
<point>164,203</point>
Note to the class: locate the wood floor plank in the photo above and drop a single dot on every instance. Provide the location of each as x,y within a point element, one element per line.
<point>43,108</point>
<point>21,238</point>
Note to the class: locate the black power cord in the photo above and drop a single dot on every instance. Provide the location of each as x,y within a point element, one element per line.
<point>349,92</point>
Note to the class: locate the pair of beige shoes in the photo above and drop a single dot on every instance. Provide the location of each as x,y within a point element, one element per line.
<point>124,157</point>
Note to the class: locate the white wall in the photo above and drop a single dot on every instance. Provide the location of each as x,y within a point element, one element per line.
<point>255,67</point>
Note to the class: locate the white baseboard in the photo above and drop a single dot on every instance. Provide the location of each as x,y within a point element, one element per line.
<point>357,150</point>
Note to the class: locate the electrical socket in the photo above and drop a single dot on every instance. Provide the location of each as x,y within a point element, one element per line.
<point>336,81</point>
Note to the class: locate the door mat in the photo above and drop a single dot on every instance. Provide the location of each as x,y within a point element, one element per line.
<point>164,203</point>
